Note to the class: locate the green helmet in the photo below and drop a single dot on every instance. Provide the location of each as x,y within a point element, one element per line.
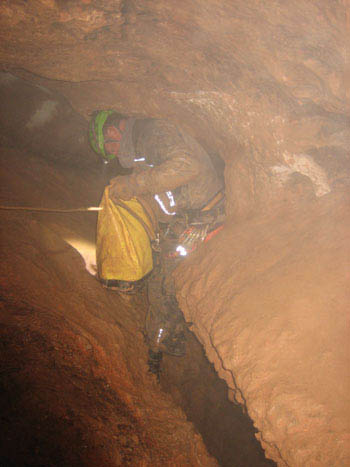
<point>97,139</point>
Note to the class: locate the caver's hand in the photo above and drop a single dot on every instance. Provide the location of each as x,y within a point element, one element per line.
<point>120,188</point>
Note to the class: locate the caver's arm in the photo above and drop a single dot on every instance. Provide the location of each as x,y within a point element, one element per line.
<point>176,171</point>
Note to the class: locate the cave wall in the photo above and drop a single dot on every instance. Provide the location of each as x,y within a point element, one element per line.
<point>39,121</point>
<point>265,85</point>
<point>74,386</point>
<point>273,317</point>
<point>261,84</point>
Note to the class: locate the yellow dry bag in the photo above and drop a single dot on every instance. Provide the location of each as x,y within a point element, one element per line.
<point>123,247</point>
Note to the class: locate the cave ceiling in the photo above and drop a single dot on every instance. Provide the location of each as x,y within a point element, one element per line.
<point>236,73</point>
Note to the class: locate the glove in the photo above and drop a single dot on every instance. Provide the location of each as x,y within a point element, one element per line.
<point>120,188</point>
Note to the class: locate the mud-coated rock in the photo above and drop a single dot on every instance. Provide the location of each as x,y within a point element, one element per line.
<point>277,325</point>
<point>265,86</point>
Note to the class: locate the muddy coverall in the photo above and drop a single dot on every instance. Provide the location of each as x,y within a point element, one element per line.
<point>167,161</point>
<point>174,161</point>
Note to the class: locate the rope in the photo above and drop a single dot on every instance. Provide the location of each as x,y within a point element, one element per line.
<point>25,208</point>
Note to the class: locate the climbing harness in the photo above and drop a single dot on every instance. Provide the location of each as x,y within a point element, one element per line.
<point>199,226</point>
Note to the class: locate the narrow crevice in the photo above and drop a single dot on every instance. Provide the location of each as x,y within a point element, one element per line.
<point>227,431</point>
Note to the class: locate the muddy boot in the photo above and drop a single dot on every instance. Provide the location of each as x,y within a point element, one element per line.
<point>123,287</point>
<point>175,344</point>
<point>164,329</point>
<point>154,362</point>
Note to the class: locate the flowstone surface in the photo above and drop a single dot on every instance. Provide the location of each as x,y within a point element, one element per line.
<point>277,326</point>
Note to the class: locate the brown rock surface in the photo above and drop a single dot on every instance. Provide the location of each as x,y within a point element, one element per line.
<point>260,84</point>
<point>265,86</point>
<point>272,315</point>
<point>75,389</point>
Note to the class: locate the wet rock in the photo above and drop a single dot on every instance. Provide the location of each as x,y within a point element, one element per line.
<point>75,387</point>
<point>276,326</point>
<point>264,85</point>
